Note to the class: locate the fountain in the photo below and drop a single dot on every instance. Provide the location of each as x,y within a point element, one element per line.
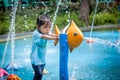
<point>55,16</point>
<point>90,40</point>
<point>118,41</point>
<point>87,63</point>
<point>46,9</point>
<point>11,38</point>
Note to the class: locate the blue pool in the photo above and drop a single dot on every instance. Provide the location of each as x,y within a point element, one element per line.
<point>86,62</point>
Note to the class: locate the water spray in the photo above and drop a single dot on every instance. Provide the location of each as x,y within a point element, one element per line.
<point>11,34</point>
<point>55,16</point>
<point>46,9</point>
<point>104,42</point>
<point>90,40</point>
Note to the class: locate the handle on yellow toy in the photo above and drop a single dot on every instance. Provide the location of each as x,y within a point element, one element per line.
<point>57,32</point>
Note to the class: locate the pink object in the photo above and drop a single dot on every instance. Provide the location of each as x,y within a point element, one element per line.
<point>3,72</point>
<point>89,41</point>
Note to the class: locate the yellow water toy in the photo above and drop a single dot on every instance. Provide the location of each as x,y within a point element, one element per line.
<point>75,36</point>
<point>57,32</point>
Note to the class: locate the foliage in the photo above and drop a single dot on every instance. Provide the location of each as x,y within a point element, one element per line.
<point>26,17</point>
<point>104,18</point>
<point>63,19</point>
<point>75,17</point>
<point>4,24</point>
<point>24,23</point>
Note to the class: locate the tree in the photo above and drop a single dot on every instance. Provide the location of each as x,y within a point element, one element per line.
<point>84,11</point>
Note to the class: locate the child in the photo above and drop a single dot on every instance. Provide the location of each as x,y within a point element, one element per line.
<point>39,43</point>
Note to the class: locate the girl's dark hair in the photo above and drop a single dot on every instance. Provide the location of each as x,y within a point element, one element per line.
<point>42,19</point>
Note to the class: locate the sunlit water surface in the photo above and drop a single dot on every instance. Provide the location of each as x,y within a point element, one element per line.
<point>87,62</point>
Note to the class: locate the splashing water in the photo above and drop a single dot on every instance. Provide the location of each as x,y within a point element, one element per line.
<point>46,9</point>
<point>11,34</point>
<point>118,41</point>
<point>104,42</point>
<point>119,36</point>
<point>93,18</point>
<point>68,11</point>
<point>25,22</point>
<point>55,16</point>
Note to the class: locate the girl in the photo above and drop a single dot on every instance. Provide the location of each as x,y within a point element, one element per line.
<point>39,43</point>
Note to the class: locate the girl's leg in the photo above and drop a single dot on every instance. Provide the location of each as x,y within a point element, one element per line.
<point>38,71</point>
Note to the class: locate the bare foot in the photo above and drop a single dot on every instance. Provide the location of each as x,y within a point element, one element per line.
<point>45,71</point>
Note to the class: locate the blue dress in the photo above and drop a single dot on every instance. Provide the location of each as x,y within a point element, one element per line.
<point>38,50</point>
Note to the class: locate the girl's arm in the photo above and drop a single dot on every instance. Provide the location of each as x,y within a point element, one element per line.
<point>52,34</point>
<point>49,37</point>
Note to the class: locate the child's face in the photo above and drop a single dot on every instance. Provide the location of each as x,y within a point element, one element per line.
<point>45,29</point>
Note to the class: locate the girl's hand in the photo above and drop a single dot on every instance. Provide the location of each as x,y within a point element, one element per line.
<point>56,40</point>
<point>55,37</point>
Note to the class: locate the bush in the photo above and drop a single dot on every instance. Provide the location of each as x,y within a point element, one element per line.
<point>4,24</point>
<point>63,19</point>
<point>104,18</point>
<point>4,28</point>
<point>26,24</point>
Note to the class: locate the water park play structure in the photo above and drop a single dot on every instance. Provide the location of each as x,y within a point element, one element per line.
<point>75,36</point>
<point>70,38</point>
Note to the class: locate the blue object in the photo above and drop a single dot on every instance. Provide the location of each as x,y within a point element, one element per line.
<point>63,57</point>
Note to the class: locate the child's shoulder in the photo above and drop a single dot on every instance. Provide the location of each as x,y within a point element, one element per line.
<point>36,33</point>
